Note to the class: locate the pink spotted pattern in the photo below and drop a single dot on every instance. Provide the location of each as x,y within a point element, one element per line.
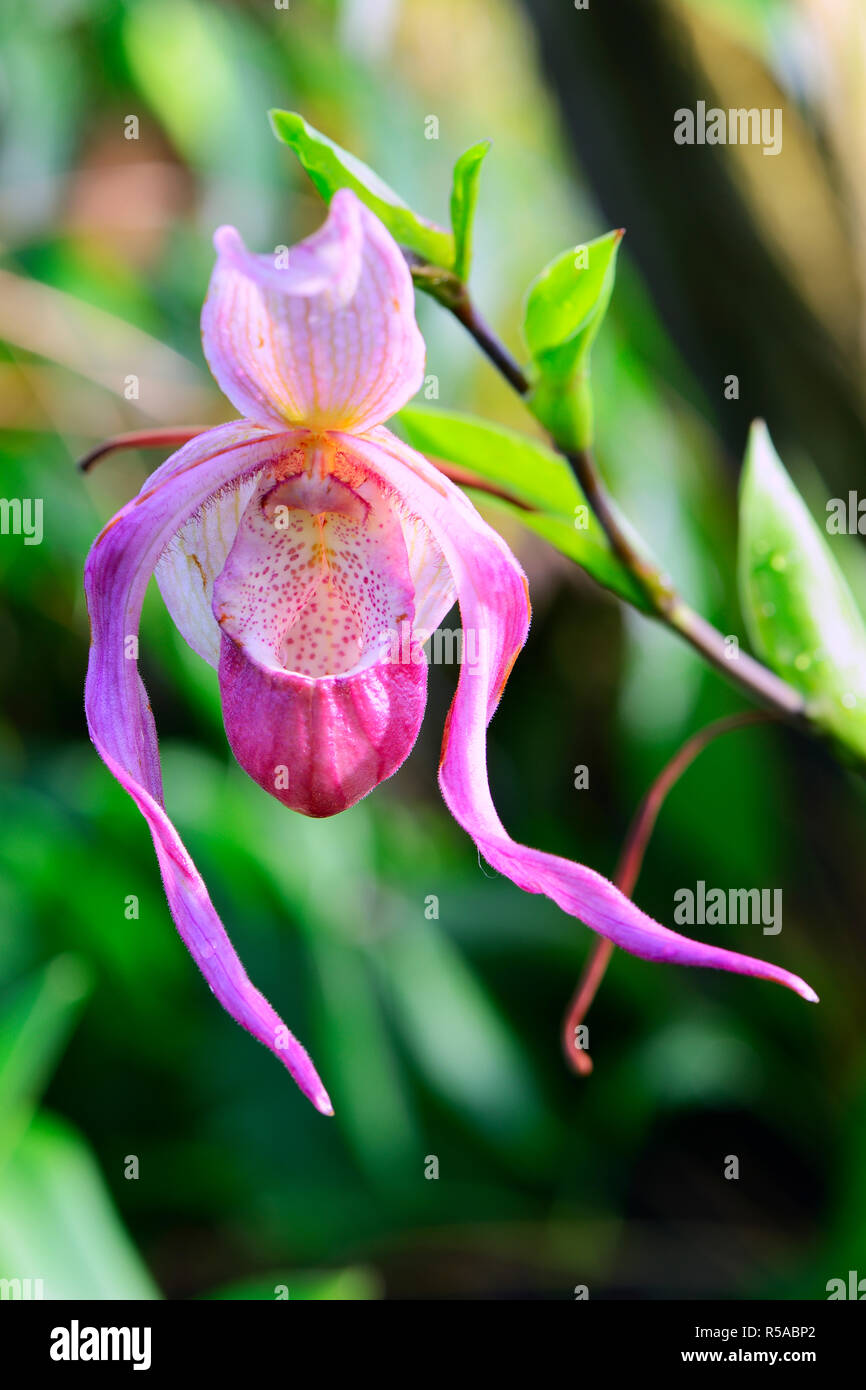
<point>318,578</point>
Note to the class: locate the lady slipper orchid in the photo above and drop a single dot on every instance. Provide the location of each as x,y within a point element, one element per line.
<point>289,547</point>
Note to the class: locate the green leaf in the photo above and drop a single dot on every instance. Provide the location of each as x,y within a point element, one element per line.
<point>365,1080</point>
<point>58,1222</point>
<point>467,1052</point>
<point>588,548</point>
<point>533,475</point>
<point>464,196</point>
<point>331,167</point>
<point>35,1023</point>
<point>566,302</point>
<point>565,307</point>
<point>800,613</point>
<point>524,467</point>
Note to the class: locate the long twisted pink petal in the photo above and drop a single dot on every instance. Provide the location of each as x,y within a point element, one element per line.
<point>122,727</point>
<point>491,591</point>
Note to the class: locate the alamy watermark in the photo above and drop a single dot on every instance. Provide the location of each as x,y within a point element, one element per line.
<point>704,906</point>
<point>22,516</point>
<point>846,516</point>
<point>77,1343</point>
<point>737,126</point>
<point>445,647</point>
<point>853,1287</point>
<point>15,1289</point>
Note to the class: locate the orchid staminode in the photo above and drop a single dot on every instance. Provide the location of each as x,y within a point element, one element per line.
<point>286,544</point>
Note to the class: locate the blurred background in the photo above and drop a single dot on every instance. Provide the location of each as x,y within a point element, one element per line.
<point>148,1148</point>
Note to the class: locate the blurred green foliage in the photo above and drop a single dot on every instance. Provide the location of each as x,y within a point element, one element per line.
<point>435,1037</point>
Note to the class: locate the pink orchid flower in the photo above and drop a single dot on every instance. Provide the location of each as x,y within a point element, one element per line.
<point>286,545</point>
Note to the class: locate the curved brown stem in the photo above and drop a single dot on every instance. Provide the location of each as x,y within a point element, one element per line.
<point>141,439</point>
<point>629,867</point>
<point>464,310</point>
<point>466,478</point>
<point>165,438</point>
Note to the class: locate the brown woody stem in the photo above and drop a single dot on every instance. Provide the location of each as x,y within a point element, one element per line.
<point>166,438</point>
<point>755,679</point>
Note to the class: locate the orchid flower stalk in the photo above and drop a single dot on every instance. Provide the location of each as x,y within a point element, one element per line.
<point>288,546</point>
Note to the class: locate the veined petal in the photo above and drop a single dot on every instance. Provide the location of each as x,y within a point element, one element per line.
<point>432,582</point>
<point>191,562</point>
<point>122,727</point>
<point>319,746</point>
<point>492,593</point>
<point>322,679</point>
<point>329,339</point>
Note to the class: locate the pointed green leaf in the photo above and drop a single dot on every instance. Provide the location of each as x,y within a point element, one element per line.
<point>464,196</point>
<point>566,303</point>
<point>565,307</point>
<point>553,505</point>
<point>331,167</point>
<point>523,467</point>
<point>588,548</point>
<point>800,613</point>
